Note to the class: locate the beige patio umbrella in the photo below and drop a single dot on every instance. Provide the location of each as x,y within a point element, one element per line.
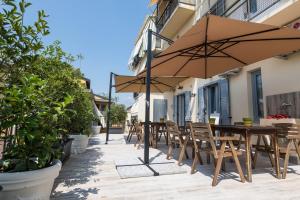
<point>125,84</point>
<point>215,45</point>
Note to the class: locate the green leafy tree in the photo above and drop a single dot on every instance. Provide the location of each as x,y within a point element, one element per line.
<point>20,43</point>
<point>118,113</point>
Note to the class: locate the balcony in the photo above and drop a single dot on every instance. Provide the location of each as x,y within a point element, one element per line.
<point>249,10</point>
<point>174,16</point>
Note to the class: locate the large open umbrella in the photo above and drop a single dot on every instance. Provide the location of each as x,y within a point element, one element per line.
<point>125,84</point>
<point>215,45</point>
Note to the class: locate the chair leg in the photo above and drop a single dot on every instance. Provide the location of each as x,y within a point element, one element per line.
<point>297,148</point>
<point>269,154</point>
<point>194,164</point>
<point>217,170</point>
<point>286,159</point>
<point>182,151</point>
<point>256,152</point>
<point>219,164</point>
<point>237,162</point>
<point>170,151</point>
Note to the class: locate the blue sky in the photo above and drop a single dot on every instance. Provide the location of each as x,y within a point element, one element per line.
<point>103,31</point>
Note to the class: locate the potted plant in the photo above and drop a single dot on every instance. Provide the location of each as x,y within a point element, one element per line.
<point>247,121</point>
<point>81,120</point>
<point>30,161</point>
<point>118,116</point>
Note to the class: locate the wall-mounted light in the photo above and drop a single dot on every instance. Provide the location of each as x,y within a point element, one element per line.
<point>180,87</point>
<point>193,94</point>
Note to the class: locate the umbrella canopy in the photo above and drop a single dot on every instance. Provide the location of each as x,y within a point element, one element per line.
<point>125,84</point>
<point>216,45</point>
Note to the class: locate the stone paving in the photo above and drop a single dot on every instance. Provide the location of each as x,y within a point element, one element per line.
<point>93,175</point>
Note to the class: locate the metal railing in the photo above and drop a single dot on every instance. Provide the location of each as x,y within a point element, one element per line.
<point>244,10</point>
<point>170,8</point>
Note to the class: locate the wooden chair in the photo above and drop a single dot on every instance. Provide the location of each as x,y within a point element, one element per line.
<point>176,137</point>
<point>290,133</point>
<point>132,130</point>
<point>201,132</point>
<point>141,135</point>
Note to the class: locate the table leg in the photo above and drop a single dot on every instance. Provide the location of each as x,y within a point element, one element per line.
<point>167,138</point>
<point>156,136</point>
<point>276,153</point>
<point>248,156</point>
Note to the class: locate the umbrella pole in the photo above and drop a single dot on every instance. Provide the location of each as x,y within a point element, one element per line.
<point>108,111</point>
<point>147,110</point>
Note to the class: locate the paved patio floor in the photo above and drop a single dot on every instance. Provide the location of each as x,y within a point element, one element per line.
<point>93,175</point>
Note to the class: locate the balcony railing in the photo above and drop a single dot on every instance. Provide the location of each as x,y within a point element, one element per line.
<point>244,10</point>
<point>170,8</point>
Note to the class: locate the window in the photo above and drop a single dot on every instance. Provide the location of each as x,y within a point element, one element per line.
<point>253,6</point>
<point>181,112</point>
<point>213,99</point>
<point>218,8</point>
<point>160,109</point>
<point>257,93</point>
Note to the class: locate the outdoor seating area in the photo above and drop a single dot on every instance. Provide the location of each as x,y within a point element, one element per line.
<point>93,175</point>
<point>206,107</point>
<point>221,143</point>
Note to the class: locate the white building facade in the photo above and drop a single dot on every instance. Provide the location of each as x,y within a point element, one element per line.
<point>268,87</point>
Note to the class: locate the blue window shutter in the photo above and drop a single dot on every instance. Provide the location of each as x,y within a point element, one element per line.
<point>201,105</point>
<point>175,109</point>
<point>188,110</point>
<point>225,117</point>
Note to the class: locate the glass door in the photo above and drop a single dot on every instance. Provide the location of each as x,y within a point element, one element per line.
<point>257,93</point>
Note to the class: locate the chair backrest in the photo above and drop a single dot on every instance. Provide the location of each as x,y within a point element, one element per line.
<point>138,128</point>
<point>202,132</point>
<point>172,128</point>
<point>287,129</point>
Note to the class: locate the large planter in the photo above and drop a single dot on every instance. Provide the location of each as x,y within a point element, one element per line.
<point>66,146</point>
<point>114,130</point>
<point>33,185</point>
<point>96,129</point>
<point>79,143</point>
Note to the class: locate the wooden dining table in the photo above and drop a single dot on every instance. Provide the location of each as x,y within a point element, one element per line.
<point>155,129</point>
<point>247,132</point>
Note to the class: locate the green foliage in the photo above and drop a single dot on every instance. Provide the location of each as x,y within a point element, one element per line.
<point>19,43</point>
<point>118,113</point>
<point>26,106</point>
<point>40,92</point>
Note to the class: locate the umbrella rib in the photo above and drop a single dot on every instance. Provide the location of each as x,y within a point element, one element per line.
<point>218,50</point>
<point>267,39</point>
<point>169,59</point>
<point>159,82</point>
<point>186,50</point>
<point>129,83</point>
<point>157,88</point>
<point>187,62</point>
<point>245,35</point>
<point>231,56</point>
